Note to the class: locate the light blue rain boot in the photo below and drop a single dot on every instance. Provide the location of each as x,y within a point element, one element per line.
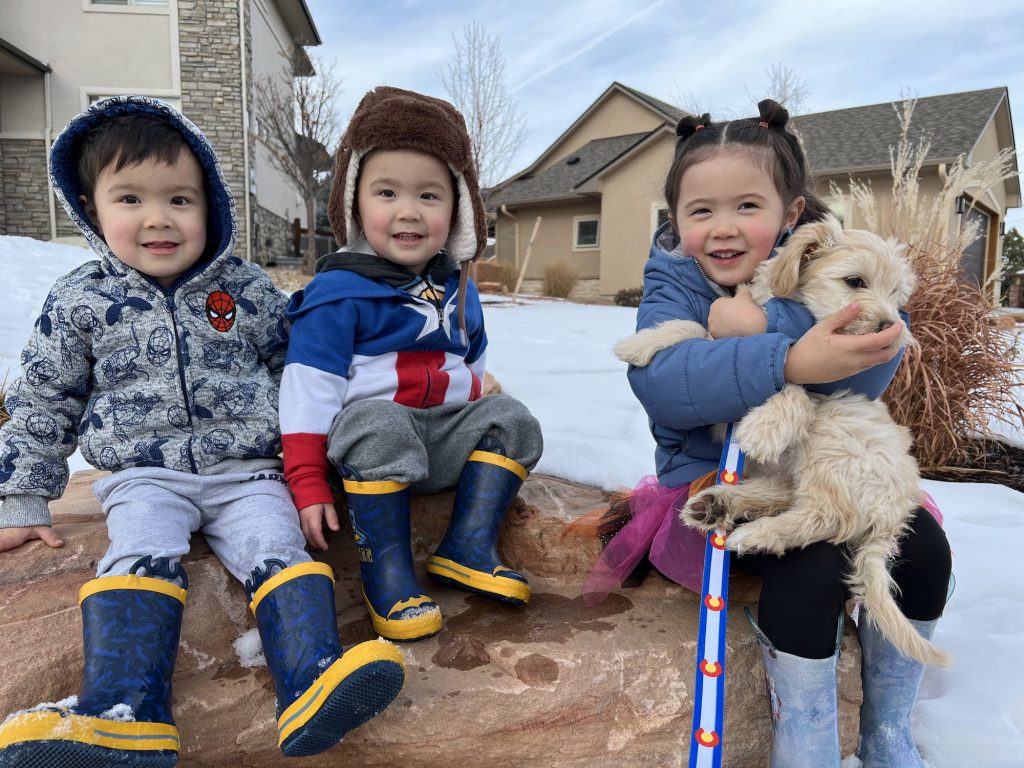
<point>804,708</point>
<point>467,556</point>
<point>890,682</point>
<point>322,691</point>
<point>130,628</point>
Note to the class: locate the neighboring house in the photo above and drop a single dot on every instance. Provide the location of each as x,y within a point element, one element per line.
<point>598,188</point>
<point>59,56</point>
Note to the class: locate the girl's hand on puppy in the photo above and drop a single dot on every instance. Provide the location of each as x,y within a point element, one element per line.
<point>12,538</point>
<point>823,354</point>
<point>736,316</point>
<point>311,521</point>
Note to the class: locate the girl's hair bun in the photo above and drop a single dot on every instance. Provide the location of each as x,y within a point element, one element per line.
<point>773,113</point>
<point>690,124</point>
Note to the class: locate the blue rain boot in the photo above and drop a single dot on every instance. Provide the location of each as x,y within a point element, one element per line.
<point>890,682</point>
<point>130,628</point>
<point>380,523</point>
<point>467,557</point>
<point>322,692</point>
<point>804,706</point>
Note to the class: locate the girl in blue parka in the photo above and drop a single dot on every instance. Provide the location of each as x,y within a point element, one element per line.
<point>734,191</point>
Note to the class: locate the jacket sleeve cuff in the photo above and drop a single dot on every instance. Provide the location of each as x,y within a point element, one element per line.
<point>22,510</point>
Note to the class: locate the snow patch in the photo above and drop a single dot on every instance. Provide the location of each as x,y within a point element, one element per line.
<point>249,648</point>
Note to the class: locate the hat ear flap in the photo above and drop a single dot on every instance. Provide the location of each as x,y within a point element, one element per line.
<point>802,246</point>
<point>336,209</point>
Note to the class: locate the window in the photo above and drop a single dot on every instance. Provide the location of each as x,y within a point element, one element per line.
<point>160,7</point>
<point>132,3</point>
<point>659,215</point>
<point>976,253</point>
<point>586,233</point>
<point>172,101</point>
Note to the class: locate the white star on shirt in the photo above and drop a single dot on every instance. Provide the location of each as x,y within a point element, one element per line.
<point>430,322</point>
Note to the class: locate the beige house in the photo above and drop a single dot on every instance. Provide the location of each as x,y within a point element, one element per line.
<point>59,56</point>
<point>598,188</point>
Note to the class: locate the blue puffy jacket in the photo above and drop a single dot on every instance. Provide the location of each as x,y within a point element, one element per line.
<point>691,386</point>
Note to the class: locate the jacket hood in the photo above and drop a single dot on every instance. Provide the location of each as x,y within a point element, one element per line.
<point>220,224</point>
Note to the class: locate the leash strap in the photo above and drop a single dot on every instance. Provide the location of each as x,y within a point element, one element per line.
<point>709,689</point>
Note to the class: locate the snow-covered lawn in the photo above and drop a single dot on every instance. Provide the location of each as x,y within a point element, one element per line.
<point>555,357</point>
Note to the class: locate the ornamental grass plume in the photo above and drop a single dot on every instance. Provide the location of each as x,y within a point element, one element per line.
<point>963,375</point>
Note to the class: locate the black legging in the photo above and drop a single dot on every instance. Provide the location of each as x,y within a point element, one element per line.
<point>804,593</point>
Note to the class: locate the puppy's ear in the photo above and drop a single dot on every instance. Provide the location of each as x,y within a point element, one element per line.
<point>802,246</point>
<point>908,281</point>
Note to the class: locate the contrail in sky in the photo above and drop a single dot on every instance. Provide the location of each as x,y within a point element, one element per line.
<point>593,43</point>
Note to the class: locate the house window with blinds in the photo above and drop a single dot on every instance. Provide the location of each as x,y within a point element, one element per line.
<point>586,233</point>
<point>116,4</point>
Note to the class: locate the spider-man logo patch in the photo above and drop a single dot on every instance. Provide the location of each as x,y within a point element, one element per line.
<point>220,310</point>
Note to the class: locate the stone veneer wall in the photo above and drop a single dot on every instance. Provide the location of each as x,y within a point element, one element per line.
<point>274,239</point>
<point>585,290</point>
<point>211,88</point>
<point>23,206</point>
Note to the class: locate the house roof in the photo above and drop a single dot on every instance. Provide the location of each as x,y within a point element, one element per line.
<point>840,141</point>
<point>14,61</point>
<point>858,139</point>
<point>560,180</point>
<point>299,22</point>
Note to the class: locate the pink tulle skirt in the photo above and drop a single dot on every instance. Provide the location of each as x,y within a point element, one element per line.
<point>656,531</point>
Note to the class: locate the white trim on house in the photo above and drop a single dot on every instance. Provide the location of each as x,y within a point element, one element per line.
<point>656,207</point>
<point>89,94</point>
<point>155,10</point>
<point>576,221</point>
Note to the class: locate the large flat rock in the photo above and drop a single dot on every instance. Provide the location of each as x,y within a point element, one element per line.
<point>550,685</point>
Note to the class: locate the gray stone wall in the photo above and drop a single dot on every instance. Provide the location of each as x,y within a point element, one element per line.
<point>586,290</point>
<point>273,236</point>
<point>211,88</point>
<point>23,206</point>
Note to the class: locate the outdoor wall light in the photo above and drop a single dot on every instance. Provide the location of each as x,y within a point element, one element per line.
<point>961,203</point>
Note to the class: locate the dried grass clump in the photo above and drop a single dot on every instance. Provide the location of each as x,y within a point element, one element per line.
<point>963,375</point>
<point>559,280</point>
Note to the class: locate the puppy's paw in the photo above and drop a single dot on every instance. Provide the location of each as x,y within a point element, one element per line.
<point>747,539</point>
<point>769,429</point>
<point>707,511</point>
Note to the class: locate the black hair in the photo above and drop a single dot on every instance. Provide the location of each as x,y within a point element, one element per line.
<point>764,136</point>
<point>124,141</point>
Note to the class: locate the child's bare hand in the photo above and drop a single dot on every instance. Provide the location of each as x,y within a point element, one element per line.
<point>824,355</point>
<point>311,521</point>
<point>12,538</point>
<point>736,316</point>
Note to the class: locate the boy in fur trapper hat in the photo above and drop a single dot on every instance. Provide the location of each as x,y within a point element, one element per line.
<point>380,383</point>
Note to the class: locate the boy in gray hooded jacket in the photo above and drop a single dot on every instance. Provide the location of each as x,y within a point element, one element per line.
<point>162,360</point>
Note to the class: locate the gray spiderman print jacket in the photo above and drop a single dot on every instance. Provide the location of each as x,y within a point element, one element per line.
<point>136,374</point>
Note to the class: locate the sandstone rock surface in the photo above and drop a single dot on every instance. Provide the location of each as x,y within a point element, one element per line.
<point>550,685</point>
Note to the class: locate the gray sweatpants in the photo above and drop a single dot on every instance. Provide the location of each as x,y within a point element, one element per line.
<point>428,447</point>
<point>246,518</point>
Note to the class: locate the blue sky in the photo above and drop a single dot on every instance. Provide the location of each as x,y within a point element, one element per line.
<point>709,56</point>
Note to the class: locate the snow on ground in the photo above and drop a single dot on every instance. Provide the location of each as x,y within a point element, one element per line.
<point>555,356</point>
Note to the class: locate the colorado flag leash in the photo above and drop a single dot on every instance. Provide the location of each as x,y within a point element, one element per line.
<point>709,690</point>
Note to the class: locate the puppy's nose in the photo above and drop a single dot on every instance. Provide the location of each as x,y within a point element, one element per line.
<point>883,325</point>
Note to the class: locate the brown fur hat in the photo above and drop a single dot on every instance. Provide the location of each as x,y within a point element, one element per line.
<point>391,118</point>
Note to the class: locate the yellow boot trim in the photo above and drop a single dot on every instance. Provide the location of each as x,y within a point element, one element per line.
<point>374,487</point>
<point>293,572</point>
<point>492,583</point>
<point>405,629</point>
<point>47,725</point>
<point>309,703</point>
<point>147,583</point>
<point>498,460</point>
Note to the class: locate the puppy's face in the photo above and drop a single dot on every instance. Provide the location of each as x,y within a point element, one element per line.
<point>825,268</point>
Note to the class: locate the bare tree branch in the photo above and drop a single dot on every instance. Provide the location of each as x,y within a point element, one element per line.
<point>787,88</point>
<point>299,126</point>
<point>475,82</point>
